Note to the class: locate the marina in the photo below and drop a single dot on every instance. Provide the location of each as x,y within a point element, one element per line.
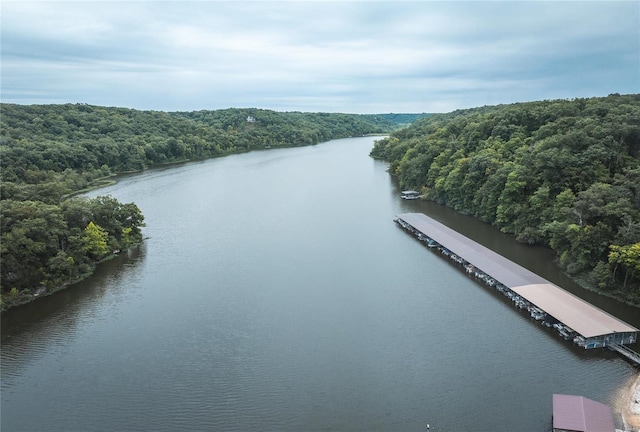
<point>258,324</point>
<point>575,319</point>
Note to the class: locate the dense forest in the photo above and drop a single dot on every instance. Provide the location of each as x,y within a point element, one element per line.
<point>562,173</point>
<point>50,152</point>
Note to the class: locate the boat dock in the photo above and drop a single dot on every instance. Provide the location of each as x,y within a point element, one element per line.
<point>574,319</point>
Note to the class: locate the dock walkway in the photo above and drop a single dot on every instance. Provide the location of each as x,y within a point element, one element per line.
<point>627,352</point>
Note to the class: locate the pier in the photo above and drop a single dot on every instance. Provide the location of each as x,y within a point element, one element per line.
<point>574,319</point>
<point>624,351</point>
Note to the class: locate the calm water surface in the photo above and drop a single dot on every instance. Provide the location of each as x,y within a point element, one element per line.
<point>274,293</point>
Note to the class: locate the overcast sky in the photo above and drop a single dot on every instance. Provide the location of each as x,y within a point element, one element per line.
<point>357,57</point>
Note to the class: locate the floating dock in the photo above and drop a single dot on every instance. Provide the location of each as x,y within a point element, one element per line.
<point>575,319</point>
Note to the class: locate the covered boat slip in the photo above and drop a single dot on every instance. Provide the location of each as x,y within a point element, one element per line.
<point>583,317</point>
<point>593,327</point>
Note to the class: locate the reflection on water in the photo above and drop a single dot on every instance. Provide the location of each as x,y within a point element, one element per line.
<point>28,330</point>
<point>275,292</point>
<point>538,259</point>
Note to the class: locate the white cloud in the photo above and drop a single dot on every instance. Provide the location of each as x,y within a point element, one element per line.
<point>316,56</point>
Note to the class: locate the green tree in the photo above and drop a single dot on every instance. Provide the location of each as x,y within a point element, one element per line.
<point>563,173</point>
<point>627,257</point>
<point>95,240</point>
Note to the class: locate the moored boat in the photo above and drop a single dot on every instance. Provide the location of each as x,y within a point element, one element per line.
<point>410,195</point>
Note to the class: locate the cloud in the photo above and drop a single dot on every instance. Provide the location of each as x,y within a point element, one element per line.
<point>316,56</point>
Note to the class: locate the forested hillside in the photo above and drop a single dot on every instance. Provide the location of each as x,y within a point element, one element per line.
<point>49,152</point>
<point>563,173</point>
<point>400,119</point>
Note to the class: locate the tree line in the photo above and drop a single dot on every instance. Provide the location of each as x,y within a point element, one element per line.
<point>48,246</point>
<point>561,173</point>
<point>50,152</point>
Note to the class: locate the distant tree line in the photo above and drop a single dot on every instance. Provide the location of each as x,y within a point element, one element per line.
<point>402,119</point>
<point>562,173</point>
<point>49,152</point>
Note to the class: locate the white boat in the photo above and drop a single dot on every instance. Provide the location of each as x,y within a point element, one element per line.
<point>410,195</point>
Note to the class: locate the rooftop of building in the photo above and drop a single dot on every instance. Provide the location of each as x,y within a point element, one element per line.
<point>580,414</point>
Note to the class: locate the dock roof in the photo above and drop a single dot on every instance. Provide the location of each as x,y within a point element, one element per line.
<point>577,413</point>
<point>578,314</point>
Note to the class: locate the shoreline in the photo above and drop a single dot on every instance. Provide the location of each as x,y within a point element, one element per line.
<point>33,294</point>
<point>581,279</point>
<point>627,403</point>
<point>584,283</point>
<point>37,293</point>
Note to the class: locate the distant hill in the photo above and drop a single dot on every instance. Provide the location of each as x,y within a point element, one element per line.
<point>68,146</point>
<point>41,143</point>
<point>399,120</point>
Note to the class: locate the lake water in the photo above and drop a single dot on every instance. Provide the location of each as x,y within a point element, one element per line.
<point>275,293</point>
